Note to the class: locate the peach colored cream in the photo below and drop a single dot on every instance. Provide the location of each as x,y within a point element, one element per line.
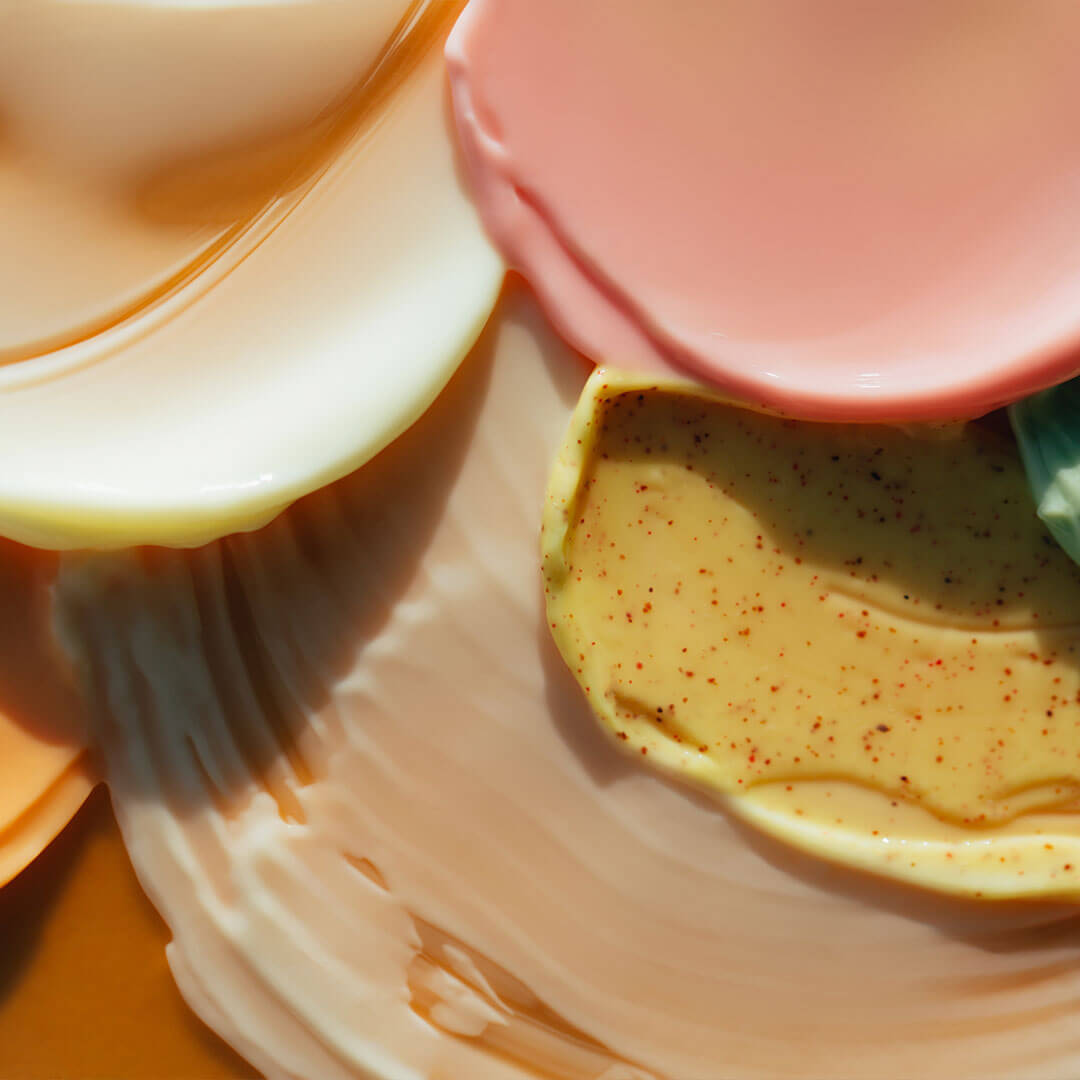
<point>368,798</point>
<point>133,138</point>
<point>830,208</point>
<point>44,773</point>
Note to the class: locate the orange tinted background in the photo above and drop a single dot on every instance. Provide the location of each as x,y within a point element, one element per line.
<point>85,990</point>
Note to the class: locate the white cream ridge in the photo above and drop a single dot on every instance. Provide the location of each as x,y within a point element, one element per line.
<point>239,257</point>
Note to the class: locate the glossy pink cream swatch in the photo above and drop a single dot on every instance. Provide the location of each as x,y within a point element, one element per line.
<point>835,209</point>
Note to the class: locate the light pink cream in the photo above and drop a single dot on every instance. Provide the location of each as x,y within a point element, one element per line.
<point>835,209</point>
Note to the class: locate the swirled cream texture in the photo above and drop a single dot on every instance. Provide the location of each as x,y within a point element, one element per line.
<point>835,209</point>
<point>237,257</point>
<point>370,802</point>
<point>351,771</point>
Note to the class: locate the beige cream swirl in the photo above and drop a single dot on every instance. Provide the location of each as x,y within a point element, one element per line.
<point>356,780</point>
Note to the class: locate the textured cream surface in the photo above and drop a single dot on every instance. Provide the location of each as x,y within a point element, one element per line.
<point>372,806</point>
<point>793,610</point>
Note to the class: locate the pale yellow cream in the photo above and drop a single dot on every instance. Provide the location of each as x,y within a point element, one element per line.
<point>239,259</point>
<point>865,639</point>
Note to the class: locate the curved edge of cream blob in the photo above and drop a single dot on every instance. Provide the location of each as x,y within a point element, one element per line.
<point>625,904</point>
<point>141,446</point>
<point>951,859</point>
<point>213,73</point>
<point>963,863</point>
<point>32,826</point>
<point>598,328</point>
<point>203,838</point>
<point>601,316</point>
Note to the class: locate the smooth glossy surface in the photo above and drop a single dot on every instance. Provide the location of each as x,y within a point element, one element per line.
<point>296,277</point>
<point>45,773</point>
<point>834,209</point>
<point>135,134</point>
<point>1047,427</point>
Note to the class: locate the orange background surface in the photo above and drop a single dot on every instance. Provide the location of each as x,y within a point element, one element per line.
<point>85,990</point>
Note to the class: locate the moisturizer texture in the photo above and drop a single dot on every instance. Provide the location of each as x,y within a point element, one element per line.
<point>370,802</point>
<point>45,773</point>
<point>238,259</point>
<point>1048,433</point>
<point>835,209</point>
<point>42,784</point>
<point>135,135</point>
<point>754,602</point>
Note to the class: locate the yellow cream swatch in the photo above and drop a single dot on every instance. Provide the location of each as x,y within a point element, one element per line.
<point>864,638</point>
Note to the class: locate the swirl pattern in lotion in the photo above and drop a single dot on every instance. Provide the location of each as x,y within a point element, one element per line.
<point>243,261</point>
<point>861,639</point>
<point>369,800</point>
<point>171,122</point>
<point>835,209</point>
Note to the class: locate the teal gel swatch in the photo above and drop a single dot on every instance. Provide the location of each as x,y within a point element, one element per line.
<point>1047,427</point>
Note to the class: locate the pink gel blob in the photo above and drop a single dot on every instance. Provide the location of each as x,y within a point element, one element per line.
<point>839,209</point>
